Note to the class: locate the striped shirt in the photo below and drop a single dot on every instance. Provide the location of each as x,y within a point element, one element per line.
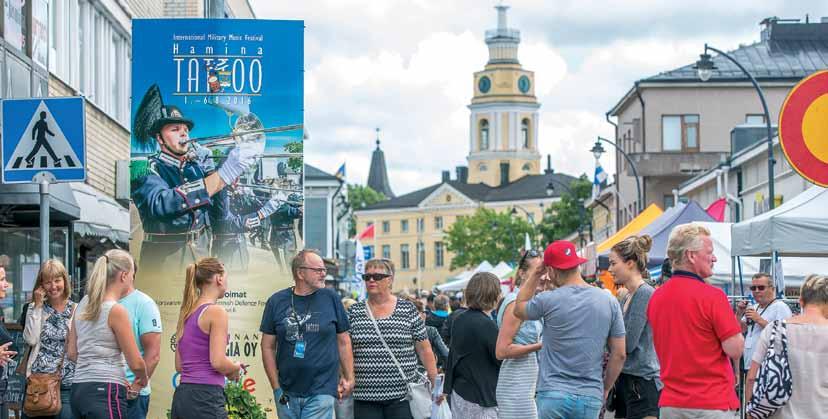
<point>377,377</point>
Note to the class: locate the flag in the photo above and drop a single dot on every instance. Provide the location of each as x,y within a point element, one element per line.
<point>359,259</point>
<point>717,209</point>
<point>599,178</point>
<point>340,173</point>
<point>368,233</point>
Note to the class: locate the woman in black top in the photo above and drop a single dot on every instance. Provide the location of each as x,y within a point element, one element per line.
<point>472,370</point>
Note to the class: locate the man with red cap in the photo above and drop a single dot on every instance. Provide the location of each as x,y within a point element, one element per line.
<point>579,322</point>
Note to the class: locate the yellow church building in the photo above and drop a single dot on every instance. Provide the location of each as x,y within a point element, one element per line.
<point>503,172</point>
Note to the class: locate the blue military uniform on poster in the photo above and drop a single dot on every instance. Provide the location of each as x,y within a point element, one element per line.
<point>229,242</point>
<point>173,203</point>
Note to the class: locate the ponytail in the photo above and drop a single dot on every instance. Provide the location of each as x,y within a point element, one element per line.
<point>635,248</point>
<point>105,271</point>
<point>198,274</point>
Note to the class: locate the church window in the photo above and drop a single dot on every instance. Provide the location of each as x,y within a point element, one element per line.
<point>484,134</point>
<point>482,167</point>
<point>527,167</point>
<point>524,132</point>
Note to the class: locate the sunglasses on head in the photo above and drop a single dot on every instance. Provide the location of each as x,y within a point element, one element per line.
<point>758,287</point>
<point>374,277</point>
<point>531,253</point>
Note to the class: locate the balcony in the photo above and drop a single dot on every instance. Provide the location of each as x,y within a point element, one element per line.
<point>674,163</point>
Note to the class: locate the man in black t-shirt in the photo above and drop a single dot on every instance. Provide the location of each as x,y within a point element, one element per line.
<point>305,343</point>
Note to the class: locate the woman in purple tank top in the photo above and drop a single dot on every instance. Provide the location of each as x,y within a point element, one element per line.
<point>202,341</point>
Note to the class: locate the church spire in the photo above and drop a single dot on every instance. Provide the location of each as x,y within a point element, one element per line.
<point>503,41</point>
<point>378,173</point>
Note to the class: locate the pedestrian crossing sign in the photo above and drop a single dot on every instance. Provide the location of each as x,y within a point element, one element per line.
<point>43,135</point>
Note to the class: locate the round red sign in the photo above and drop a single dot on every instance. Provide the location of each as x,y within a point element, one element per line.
<point>803,128</point>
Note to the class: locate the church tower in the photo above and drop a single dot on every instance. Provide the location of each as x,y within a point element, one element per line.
<point>378,173</point>
<point>503,133</point>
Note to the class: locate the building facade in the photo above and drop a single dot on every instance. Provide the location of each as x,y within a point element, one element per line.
<point>503,173</point>
<point>674,126</point>
<point>77,48</point>
<point>326,216</point>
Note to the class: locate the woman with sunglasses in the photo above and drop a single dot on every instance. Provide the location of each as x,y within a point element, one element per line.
<point>517,342</point>
<point>381,389</point>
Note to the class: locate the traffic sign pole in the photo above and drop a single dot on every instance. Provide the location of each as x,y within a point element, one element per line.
<point>44,220</point>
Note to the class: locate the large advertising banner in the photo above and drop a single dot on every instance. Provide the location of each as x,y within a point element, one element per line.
<point>216,170</point>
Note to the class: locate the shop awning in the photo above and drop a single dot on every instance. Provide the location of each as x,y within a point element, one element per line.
<point>24,198</point>
<point>637,224</point>
<point>100,215</point>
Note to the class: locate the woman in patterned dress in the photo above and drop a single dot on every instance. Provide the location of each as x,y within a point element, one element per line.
<point>380,389</point>
<point>47,325</point>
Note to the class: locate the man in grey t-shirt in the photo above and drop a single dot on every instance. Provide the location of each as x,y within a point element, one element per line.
<point>579,322</point>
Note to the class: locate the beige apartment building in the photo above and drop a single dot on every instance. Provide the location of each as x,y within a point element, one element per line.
<point>503,173</point>
<point>674,126</point>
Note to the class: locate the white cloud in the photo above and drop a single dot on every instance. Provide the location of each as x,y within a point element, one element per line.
<point>406,66</point>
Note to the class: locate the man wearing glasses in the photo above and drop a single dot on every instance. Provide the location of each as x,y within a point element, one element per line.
<point>755,317</point>
<point>305,343</point>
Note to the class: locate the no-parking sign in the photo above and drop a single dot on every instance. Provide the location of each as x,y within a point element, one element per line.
<point>803,128</point>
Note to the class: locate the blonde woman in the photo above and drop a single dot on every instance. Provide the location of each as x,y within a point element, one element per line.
<point>807,353</point>
<point>101,338</point>
<point>48,321</point>
<point>202,343</point>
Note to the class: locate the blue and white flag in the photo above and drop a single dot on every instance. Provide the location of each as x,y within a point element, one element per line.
<point>599,178</point>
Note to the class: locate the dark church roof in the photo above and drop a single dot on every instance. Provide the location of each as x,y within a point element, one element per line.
<point>378,174</point>
<point>527,187</point>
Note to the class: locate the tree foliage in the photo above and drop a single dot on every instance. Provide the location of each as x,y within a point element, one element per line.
<point>487,235</point>
<point>566,216</point>
<point>359,197</point>
<point>295,163</point>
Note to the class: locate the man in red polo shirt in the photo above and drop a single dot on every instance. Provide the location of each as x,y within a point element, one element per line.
<point>695,332</point>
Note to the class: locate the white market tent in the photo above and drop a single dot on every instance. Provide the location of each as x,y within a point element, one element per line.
<point>798,227</point>
<point>796,230</point>
<point>502,270</point>
<point>460,281</point>
<point>795,269</point>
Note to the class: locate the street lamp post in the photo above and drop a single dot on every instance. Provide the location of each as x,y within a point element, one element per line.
<point>705,68</point>
<point>529,216</point>
<point>550,189</point>
<point>597,150</point>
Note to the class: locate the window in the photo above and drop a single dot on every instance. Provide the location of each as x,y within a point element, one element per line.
<point>386,227</point>
<point>669,201</point>
<point>438,223</point>
<point>404,257</point>
<point>755,119</point>
<point>527,167</point>
<point>438,254</point>
<point>404,226</point>
<point>680,133</point>
<point>484,134</point>
<point>524,132</point>
<point>420,225</point>
<point>420,255</point>
<point>482,167</point>
<point>386,251</point>
<point>369,224</point>
<point>104,55</point>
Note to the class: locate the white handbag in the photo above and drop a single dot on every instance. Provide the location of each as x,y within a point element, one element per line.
<point>418,395</point>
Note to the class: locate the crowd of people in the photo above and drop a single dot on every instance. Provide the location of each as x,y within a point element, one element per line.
<point>555,347</point>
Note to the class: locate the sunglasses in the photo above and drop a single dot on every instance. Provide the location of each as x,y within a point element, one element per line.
<point>374,277</point>
<point>758,287</point>
<point>531,253</point>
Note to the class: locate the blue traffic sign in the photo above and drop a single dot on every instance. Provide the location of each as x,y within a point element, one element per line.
<point>44,136</point>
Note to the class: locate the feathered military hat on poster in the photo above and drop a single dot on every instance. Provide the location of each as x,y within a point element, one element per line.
<point>152,115</point>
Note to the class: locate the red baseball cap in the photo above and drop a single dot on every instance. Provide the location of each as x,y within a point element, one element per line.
<point>561,255</point>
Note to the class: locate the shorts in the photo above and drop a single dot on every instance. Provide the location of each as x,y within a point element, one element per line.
<point>203,401</point>
<point>636,397</point>
<point>98,400</point>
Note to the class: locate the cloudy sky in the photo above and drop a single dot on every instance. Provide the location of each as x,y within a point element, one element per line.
<point>406,67</point>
